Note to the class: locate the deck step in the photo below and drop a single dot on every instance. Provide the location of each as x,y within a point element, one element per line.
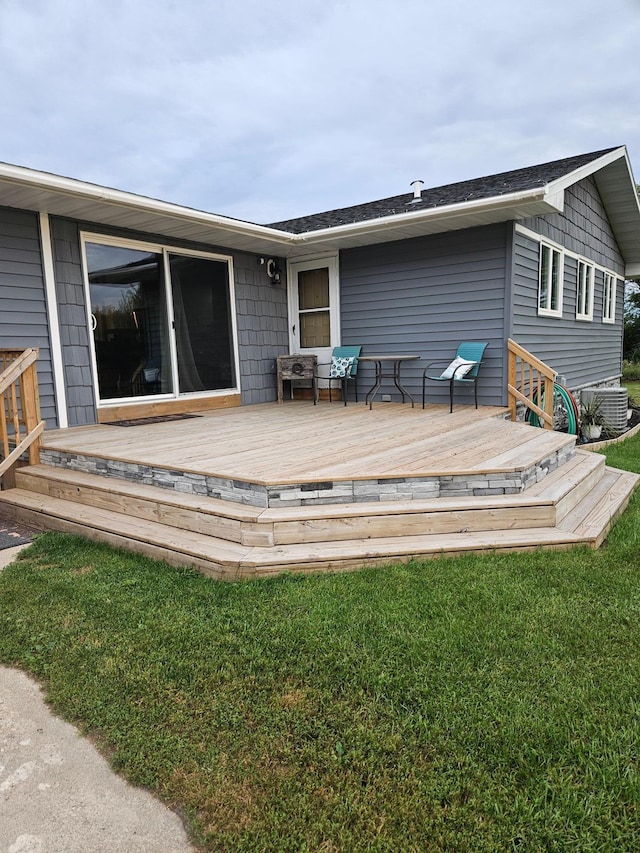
<point>254,526</point>
<point>217,557</point>
<point>296,538</point>
<point>227,520</point>
<point>359,553</point>
<point>593,517</point>
<point>222,559</point>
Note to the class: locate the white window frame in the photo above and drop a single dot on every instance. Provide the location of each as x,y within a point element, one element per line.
<point>584,290</point>
<point>611,278</point>
<point>163,249</point>
<point>609,293</point>
<point>546,309</point>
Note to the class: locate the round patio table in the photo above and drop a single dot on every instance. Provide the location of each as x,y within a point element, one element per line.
<point>393,362</point>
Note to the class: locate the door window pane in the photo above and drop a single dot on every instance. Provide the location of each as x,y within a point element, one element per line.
<point>314,330</point>
<point>202,314</point>
<point>313,289</point>
<point>127,293</point>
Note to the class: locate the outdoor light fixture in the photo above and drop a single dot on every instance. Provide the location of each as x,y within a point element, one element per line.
<point>272,268</point>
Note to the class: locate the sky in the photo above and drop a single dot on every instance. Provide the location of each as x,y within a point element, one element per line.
<point>269,109</point>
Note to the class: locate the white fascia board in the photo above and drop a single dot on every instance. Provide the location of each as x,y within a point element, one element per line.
<point>549,196</point>
<point>537,195</point>
<point>21,176</point>
<point>632,181</point>
<point>555,197</point>
<point>589,168</point>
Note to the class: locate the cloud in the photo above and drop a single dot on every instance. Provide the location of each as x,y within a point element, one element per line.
<point>273,108</point>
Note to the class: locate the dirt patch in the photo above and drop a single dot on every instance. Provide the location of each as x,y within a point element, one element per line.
<point>14,534</point>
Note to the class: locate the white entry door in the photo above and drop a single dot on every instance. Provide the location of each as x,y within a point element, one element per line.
<point>314,307</point>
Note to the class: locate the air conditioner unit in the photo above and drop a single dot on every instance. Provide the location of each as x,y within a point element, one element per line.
<point>614,404</point>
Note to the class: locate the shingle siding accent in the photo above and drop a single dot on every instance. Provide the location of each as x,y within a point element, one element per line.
<point>425,296</point>
<point>72,315</point>
<point>261,310</point>
<point>23,307</point>
<point>582,352</point>
<point>583,227</point>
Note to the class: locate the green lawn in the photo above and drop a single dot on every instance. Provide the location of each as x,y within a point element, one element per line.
<point>476,704</point>
<point>634,390</point>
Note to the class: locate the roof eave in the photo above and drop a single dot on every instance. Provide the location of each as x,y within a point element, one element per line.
<point>44,192</point>
<point>588,169</point>
<point>448,217</point>
<point>59,196</point>
<point>617,188</point>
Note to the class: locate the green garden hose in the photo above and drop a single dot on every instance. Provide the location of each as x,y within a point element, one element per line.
<point>563,396</point>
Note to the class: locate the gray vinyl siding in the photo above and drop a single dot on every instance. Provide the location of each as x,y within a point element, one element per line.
<point>261,314</point>
<point>424,296</point>
<point>581,351</point>
<point>23,307</point>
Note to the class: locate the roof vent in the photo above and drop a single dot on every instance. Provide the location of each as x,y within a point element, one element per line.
<point>417,191</point>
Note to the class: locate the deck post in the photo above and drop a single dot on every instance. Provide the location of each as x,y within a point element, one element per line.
<point>536,383</point>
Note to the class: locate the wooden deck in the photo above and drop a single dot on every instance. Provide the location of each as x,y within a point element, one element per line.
<point>253,491</point>
<point>298,442</point>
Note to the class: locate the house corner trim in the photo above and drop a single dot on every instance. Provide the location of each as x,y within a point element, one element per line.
<point>54,320</point>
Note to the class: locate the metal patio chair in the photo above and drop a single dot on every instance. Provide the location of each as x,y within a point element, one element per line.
<point>463,370</point>
<point>343,368</point>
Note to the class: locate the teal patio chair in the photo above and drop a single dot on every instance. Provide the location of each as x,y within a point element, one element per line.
<point>342,368</point>
<point>463,369</point>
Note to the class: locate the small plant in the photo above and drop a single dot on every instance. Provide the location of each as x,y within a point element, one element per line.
<point>592,419</point>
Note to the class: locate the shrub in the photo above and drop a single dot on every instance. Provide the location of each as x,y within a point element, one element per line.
<point>631,369</point>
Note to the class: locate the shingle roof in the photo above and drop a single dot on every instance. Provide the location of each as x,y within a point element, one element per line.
<point>503,183</point>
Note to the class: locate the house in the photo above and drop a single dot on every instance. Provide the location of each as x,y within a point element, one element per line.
<point>138,305</point>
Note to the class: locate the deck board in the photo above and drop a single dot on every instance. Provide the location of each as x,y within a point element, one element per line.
<point>300,442</point>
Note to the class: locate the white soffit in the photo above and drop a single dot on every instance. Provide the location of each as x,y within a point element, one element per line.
<point>45,193</point>
<point>58,196</point>
<point>617,189</point>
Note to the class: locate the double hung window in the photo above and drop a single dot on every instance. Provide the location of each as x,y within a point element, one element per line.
<point>609,299</point>
<point>550,281</point>
<point>584,296</point>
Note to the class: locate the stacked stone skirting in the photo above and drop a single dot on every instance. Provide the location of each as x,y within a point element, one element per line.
<point>312,493</point>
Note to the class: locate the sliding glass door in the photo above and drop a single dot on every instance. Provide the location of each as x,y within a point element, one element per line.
<point>162,321</point>
<point>203,327</point>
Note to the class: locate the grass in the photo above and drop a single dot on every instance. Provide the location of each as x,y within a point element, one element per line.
<point>634,390</point>
<point>475,704</point>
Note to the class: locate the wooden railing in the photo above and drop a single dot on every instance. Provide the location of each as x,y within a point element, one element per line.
<point>530,382</point>
<point>20,423</point>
